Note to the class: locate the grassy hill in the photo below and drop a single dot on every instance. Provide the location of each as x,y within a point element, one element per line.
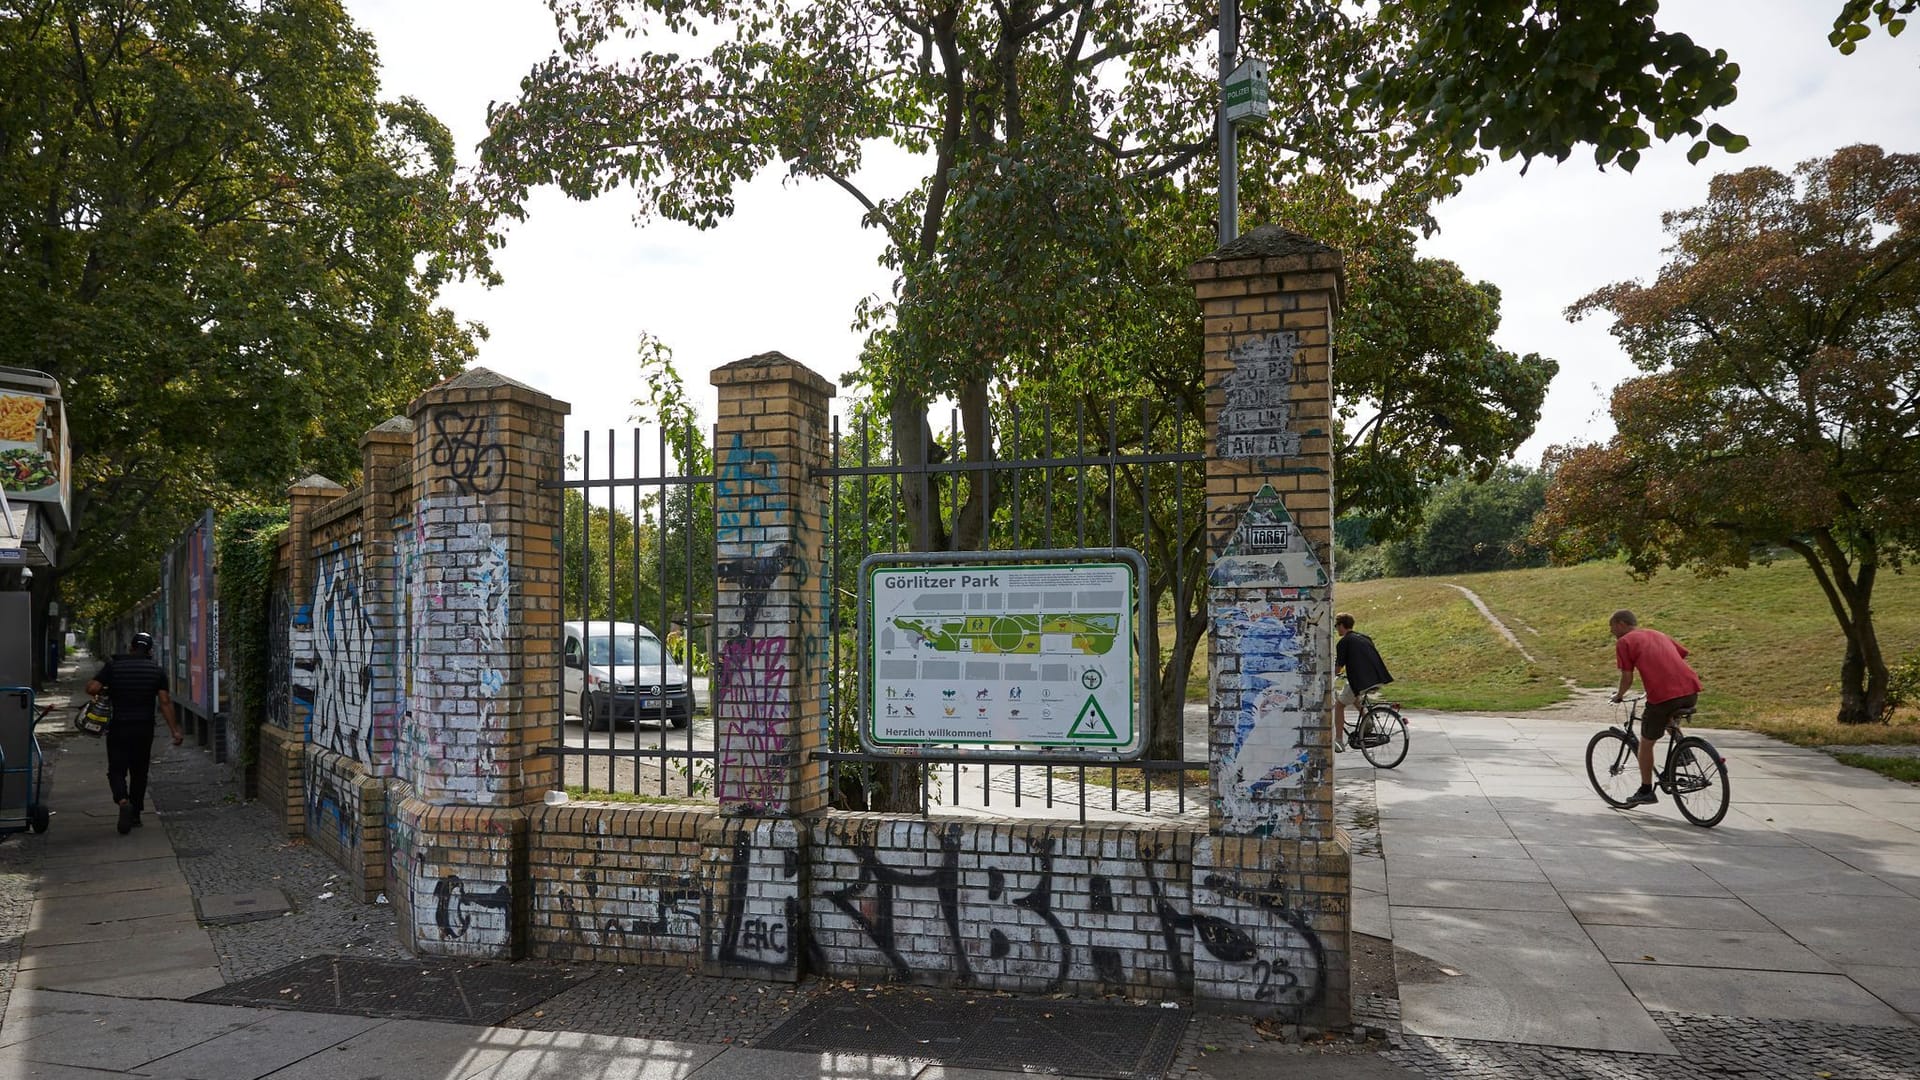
<point>1764,640</point>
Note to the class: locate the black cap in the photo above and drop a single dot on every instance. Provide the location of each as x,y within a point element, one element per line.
<point>143,641</point>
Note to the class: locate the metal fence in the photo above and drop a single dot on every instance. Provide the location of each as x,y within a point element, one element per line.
<point>640,549</point>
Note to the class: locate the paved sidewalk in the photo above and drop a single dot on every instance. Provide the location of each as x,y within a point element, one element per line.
<point>108,945</point>
<point>1526,912</point>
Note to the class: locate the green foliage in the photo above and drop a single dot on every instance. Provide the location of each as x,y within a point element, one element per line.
<point>225,247</point>
<point>1781,404</point>
<point>1464,526</point>
<point>1903,685</point>
<point>246,546</point>
<point>1850,26</point>
<point>1906,769</point>
<point>1540,77</point>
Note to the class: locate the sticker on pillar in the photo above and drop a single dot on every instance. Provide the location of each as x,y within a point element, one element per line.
<point>1277,695</point>
<point>1257,418</point>
<point>1267,550</point>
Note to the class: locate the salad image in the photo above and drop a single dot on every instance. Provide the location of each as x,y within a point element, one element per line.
<point>27,470</point>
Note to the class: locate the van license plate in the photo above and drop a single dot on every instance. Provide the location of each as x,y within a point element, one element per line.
<point>650,704</point>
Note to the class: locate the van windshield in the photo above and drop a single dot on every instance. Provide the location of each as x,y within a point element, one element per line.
<point>623,651</point>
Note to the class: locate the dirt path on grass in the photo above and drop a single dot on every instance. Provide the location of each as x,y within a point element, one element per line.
<point>1583,704</point>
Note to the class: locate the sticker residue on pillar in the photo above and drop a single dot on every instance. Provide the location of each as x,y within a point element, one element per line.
<point>1257,420</point>
<point>1267,550</point>
<point>1277,695</point>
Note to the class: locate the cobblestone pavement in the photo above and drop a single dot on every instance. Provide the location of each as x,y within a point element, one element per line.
<point>1708,1045</point>
<point>227,846</point>
<point>19,860</point>
<point>675,1003</point>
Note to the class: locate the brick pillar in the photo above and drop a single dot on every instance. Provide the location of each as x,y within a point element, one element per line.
<point>770,695</point>
<point>1269,300</point>
<point>483,574</point>
<point>386,461</point>
<point>303,498</point>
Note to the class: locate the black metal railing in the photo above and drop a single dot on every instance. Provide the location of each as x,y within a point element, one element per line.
<point>641,549</point>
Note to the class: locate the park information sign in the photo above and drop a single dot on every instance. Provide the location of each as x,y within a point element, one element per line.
<point>1004,653</point>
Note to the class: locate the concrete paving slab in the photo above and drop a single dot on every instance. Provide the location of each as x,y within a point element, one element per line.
<point>745,1063</point>
<point>179,948</point>
<point>165,874</point>
<point>1372,915</point>
<point>1777,994</point>
<point>1482,895</point>
<point>273,1042</point>
<point>15,1067</point>
<point>1527,977</point>
<point>1854,930</point>
<point>1747,950</point>
<point>1898,986</point>
<point>1645,869</point>
<point>122,1034</point>
<point>1441,830</point>
<point>132,978</point>
<point>1409,868</point>
<point>1641,910</point>
<point>408,1050</point>
<point>242,906</point>
<point>568,1055</point>
<point>97,906</point>
<point>1594,826</point>
<point>1480,847</point>
<point>63,872</point>
<point>121,930</point>
<point>1755,871</point>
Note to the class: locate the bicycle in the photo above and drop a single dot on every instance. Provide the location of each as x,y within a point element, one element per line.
<point>1694,772</point>
<point>1378,731</point>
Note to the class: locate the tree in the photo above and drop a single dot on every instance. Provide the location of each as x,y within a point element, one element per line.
<point>1781,404</point>
<point>1051,132</point>
<point>224,246</point>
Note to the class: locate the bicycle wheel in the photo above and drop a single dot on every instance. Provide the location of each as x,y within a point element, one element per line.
<point>1383,736</point>
<point>1613,767</point>
<point>1697,777</point>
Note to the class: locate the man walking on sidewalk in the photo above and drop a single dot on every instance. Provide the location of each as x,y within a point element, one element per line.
<point>134,684</point>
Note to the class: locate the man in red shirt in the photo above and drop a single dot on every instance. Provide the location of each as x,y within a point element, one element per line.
<point>1669,683</point>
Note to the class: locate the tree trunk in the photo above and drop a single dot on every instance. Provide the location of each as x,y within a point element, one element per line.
<point>971,534</point>
<point>1863,674</point>
<point>1848,585</point>
<point>912,447</point>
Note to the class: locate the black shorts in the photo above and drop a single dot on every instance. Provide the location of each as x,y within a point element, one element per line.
<point>1653,722</point>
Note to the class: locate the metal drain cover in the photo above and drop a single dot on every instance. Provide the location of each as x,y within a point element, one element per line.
<point>462,992</point>
<point>978,1031</point>
<point>227,908</point>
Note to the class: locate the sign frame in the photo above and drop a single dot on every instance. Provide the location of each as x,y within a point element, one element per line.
<point>1141,718</point>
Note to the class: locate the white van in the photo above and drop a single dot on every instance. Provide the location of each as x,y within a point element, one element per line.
<point>620,672</point>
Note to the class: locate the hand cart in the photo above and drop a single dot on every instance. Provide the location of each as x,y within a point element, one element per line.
<point>22,767</point>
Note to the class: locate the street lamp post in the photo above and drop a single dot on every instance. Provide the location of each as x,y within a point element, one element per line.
<point>1229,153</point>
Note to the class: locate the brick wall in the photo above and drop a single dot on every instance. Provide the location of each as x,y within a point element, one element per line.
<point>280,762</point>
<point>346,815</point>
<point>616,884</point>
<point>456,876</point>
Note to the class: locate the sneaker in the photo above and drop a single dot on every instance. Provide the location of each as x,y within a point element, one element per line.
<point>1643,797</point>
<point>129,817</point>
<point>136,819</point>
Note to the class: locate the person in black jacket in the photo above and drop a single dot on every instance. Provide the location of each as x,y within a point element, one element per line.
<point>1354,656</point>
<point>134,684</point>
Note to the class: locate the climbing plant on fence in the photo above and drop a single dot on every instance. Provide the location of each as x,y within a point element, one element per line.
<point>246,542</point>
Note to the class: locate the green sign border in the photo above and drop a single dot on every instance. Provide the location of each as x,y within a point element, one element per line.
<point>1132,639</point>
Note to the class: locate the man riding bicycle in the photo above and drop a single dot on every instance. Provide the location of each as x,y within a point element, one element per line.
<point>1671,687</point>
<point>1355,657</point>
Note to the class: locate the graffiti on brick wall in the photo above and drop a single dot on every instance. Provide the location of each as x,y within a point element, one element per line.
<point>458,905</point>
<point>466,447</point>
<point>280,658</point>
<point>334,684</point>
<point>661,915</point>
<point>330,816</point>
<point>754,687</point>
<point>459,588</point>
<point>759,922</point>
<point>1055,913</point>
<point>1253,943</point>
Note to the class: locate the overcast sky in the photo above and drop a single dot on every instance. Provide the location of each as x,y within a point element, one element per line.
<point>582,282</point>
